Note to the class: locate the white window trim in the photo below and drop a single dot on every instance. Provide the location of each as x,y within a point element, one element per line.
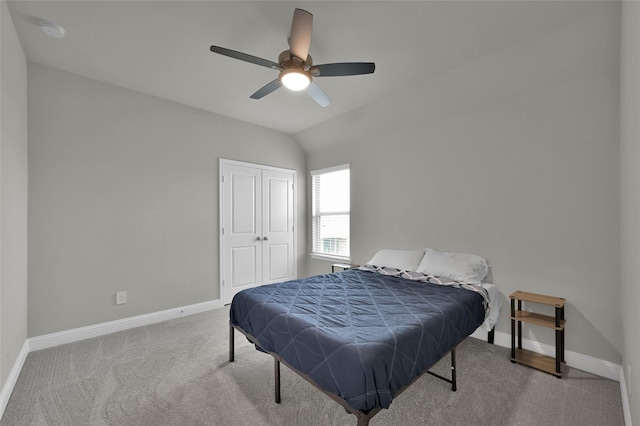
<point>330,169</point>
<point>323,256</point>
<point>329,258</point>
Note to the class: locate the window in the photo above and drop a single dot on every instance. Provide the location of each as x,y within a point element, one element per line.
<point>330,191</point>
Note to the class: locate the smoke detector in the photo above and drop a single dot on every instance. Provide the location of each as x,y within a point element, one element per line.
<point>51,29</point>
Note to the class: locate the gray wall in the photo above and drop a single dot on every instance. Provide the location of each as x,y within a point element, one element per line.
<point>514,157</point>
<point>124,196</point>
<point>13,201</point>
<point>630,200</point>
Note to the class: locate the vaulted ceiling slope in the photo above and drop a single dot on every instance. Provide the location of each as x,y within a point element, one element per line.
<point>161,48</point>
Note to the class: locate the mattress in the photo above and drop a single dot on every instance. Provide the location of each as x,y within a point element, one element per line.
<point>359,335</point>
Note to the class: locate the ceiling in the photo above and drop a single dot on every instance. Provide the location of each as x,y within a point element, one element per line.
<point>161,48</point>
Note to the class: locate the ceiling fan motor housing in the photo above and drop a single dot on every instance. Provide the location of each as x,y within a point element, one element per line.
<point>287,60</point>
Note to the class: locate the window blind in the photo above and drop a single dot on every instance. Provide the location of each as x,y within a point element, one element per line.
<point>331,212</point>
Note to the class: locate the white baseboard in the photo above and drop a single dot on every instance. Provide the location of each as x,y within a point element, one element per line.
<point>10,383</point>
<point>76,334</point>
<point>626,409</point>
<point>582,362</point>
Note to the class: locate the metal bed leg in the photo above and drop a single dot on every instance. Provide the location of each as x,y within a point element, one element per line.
<point>277,380</point>
<point>453,370</point>
<point>454,385</point>
<point>363,421</point>
<point>231,343</point>
<point>491,335</point>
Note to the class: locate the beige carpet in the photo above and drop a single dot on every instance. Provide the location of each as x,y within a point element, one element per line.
<point>177,373</point>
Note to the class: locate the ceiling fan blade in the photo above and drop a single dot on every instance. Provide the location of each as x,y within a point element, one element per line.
<point>343,68</point>
<point>318,95</point>
<point>300,37</point>
<point>266,89</point>
<point>245,57</point>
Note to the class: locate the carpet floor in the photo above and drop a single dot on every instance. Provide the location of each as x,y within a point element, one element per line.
<point>177,373</point>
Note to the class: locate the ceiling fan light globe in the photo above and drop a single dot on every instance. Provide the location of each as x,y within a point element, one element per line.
<point>295,80</point>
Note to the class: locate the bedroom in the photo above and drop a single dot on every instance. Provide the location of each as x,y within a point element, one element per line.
<point>522,151</point>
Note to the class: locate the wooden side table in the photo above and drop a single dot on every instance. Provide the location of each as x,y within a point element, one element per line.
<point>557,322</point>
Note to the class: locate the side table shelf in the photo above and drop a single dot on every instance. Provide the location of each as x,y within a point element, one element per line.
<point>557,322</point>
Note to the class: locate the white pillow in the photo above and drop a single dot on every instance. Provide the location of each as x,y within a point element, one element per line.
<point>406,260</point>
<point>456,266</point>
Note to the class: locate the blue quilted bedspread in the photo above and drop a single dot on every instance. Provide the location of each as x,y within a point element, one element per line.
<point>359,335</point>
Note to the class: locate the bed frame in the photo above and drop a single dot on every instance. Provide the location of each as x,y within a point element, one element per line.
<point>362,417</point>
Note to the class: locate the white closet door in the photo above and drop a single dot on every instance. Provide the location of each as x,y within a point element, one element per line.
<point>277,226</point>
<point>257,220</point>
<point>241,230</point>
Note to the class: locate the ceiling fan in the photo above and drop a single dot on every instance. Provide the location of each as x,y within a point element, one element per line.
<point>296,66</point>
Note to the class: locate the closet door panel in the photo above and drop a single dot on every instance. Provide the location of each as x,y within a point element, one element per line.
<point>277,263</point>
<point>241,233</point>
<point>278,231</point>
<point>243,267</point>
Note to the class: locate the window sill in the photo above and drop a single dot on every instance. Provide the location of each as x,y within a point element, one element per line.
<point>329,258</point>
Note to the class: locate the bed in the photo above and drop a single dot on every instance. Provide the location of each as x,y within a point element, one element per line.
<point>362,336</point>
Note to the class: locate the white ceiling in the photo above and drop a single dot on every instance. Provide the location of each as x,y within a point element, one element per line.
<point>161,48</point>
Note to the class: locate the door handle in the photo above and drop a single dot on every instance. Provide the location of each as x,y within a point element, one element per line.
<point>259,239</point>
<point>265,238</point>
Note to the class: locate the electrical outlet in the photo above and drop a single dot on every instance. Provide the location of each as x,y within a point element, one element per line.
<point>121,297</point>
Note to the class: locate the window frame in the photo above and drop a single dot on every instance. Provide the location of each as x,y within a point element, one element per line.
<point>315,218</point>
